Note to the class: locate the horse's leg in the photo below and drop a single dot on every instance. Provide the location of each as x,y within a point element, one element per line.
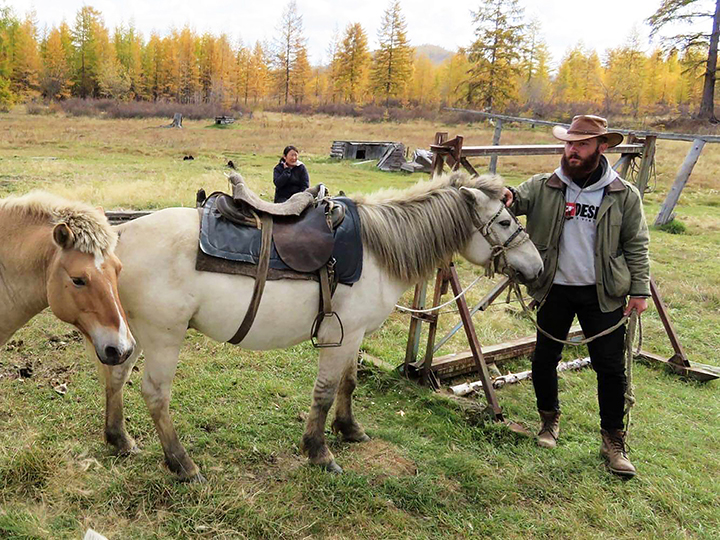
<point>345,422</point>
<point>115,378</point>
<point>331,366</point>
<point>161,358</point>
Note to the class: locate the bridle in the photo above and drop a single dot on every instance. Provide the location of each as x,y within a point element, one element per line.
<point>499,248</point>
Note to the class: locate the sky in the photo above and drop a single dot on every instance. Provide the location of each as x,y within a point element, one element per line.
<point>564,23</point>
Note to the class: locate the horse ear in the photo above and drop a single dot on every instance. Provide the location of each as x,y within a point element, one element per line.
<point>468,194</point>
<point>100,209</point>
<point>63,236</point>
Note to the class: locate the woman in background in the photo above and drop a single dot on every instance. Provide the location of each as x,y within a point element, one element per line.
<point>290,175</point>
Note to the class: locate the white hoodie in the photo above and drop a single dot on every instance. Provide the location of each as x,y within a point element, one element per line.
<point>576,264</point>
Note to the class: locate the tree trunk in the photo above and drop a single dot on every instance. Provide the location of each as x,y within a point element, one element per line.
<point>707,111</point>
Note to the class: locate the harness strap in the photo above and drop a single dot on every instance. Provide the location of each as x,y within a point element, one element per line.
<point>260,278</point>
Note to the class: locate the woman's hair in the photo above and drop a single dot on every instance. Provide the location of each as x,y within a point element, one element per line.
<point>288,149</point>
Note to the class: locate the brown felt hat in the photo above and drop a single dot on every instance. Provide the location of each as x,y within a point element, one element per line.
<point>587,126</point>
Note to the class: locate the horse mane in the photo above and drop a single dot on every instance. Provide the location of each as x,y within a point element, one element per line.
<point>415,230</point>
<point>89,225</point>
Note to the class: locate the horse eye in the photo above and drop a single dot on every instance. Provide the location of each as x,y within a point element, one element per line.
<point>79,282</point>
<point>505,223</point>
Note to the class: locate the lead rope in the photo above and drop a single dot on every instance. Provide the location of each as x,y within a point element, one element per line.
<point>634,325</point>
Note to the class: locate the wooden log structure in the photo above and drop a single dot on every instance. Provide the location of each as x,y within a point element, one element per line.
<point>666,210</point>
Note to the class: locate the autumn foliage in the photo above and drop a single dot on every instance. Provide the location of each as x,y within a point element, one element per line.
<point>507,67</point>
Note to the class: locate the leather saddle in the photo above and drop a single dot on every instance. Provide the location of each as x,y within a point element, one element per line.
<point>302,227</point>
<point>301,230</point>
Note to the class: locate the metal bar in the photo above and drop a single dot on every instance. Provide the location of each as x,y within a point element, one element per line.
<point>665,318</point>
<point>648,156</point>
<point>482,305</point>
<point>496,142</point>
<point>474,346</point>
<point>665,213</point>
<point>527,150</point>
<point>660,135</point>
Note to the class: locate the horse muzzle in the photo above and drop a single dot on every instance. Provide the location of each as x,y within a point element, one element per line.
<point>111,355</point>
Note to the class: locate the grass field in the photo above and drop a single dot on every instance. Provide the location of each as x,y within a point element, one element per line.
<point>434,468</point>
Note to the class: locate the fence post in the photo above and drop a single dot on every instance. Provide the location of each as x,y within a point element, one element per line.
<point>648,156</point>
<point>496,142</point>
<point>666,210</point>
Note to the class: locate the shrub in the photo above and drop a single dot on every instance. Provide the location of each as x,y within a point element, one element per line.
<point>673,226</point>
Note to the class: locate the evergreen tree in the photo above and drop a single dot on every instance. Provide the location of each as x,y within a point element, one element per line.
<point>535,76</point>
<point>392,64</point>
<point>8,26</point>
<point>26,66</point>
<point>87,59</point>
<point>352,60</point>
<point>288,44</point>
<point>496,52</point>
<point>55,81</point>
<point>692,11</point>
<point>300,75</point>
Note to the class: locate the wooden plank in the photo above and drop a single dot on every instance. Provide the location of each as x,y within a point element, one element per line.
<point>533,121</point>
<point>451,365</point>
<point>415,330</point>
<point>526,150</point>
<point>666,210</point>
<point>438,161</point>
<point>496,142</point>
<point>699,372</point>
<point>648,157</point>
<point>115,217</point>
<point>477,353</point>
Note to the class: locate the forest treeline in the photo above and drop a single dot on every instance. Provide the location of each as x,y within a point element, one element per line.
<point>507,67</point>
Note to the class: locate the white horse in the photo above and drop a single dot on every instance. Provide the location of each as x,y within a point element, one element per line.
<point>405,234</point>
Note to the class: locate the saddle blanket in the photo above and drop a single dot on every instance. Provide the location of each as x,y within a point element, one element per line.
<point>223,239</point>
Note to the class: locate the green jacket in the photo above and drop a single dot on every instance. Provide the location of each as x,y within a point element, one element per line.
<point>622,264</point>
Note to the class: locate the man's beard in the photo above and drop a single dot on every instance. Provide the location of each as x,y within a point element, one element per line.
<point>584,168</point>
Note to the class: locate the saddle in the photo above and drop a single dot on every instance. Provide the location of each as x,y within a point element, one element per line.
<point>301,231</point>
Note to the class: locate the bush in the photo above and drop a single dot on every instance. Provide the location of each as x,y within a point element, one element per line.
<point>37,108</point>
<point>673,226</point>
<point>146,109</point>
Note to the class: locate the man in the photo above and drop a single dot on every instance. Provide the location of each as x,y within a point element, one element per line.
<point>589,226</point>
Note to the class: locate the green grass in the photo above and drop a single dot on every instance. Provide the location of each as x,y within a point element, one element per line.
<point>433,470</point>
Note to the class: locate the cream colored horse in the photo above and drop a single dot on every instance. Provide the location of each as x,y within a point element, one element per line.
<point>406,235</point>
<point>60,254</point>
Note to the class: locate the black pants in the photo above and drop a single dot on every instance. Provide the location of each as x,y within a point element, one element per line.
<point>606,353</point>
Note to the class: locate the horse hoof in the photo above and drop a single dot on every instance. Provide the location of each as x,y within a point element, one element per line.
<point>195,479</point>
<point>333,467</point>
<point>365,438</point>
<point>128,451</point>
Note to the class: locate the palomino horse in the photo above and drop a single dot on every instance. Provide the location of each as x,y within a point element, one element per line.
<point>60,254</point>
<point>405,234</point>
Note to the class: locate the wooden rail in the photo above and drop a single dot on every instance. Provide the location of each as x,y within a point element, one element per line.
<point>659,134</point>
<point>528,149</point>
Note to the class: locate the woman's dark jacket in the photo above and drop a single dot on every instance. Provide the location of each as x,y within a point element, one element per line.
<point>290,180</point>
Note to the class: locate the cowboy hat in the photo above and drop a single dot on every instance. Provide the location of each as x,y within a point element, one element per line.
<point>587,126</point>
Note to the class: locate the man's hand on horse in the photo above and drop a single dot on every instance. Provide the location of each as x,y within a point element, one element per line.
<point>638,303</point>
<point>507,197</point>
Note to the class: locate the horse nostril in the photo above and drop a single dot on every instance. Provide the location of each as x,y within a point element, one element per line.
<point>111,353</point>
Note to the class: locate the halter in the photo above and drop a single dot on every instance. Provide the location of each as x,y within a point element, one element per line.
<point>498,248</point>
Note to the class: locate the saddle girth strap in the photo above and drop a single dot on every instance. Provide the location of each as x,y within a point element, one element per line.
<point>260,279</point>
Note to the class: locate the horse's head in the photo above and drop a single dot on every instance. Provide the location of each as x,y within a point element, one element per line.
<point>499,239</point>
<point>82,290</point>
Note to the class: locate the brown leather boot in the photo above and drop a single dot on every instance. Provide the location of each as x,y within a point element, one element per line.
<point>550,430</point>
<point>613,450</point>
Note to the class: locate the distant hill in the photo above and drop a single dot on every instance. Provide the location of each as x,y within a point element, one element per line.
<point>435,53</point>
